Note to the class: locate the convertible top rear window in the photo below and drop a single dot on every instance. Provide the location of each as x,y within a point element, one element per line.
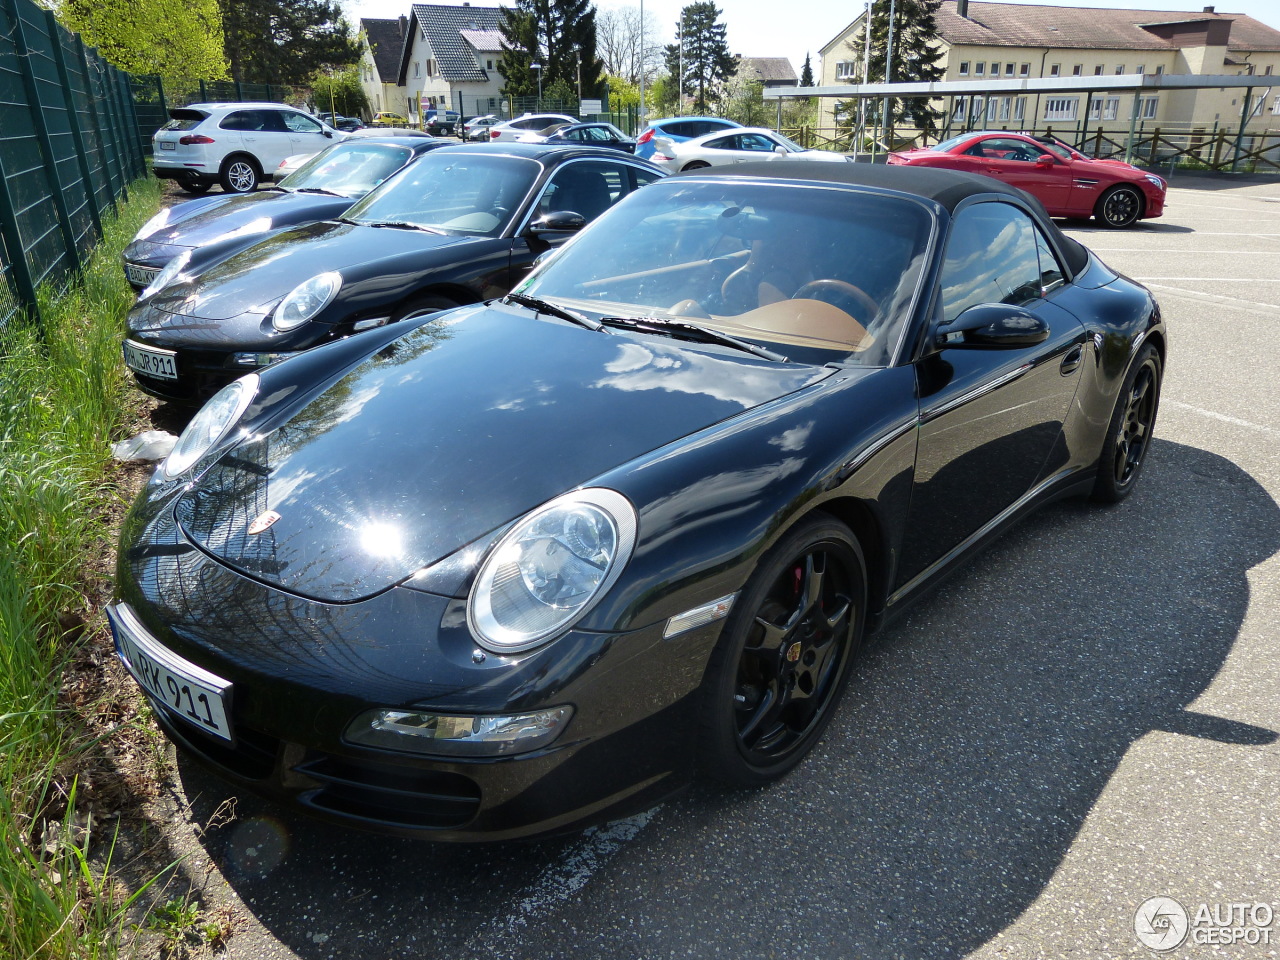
<point>815,270</point>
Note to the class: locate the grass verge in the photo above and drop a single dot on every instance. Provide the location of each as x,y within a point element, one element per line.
<point>63,397</point>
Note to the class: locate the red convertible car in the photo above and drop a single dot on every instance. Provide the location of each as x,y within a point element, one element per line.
<point>1067,183</point>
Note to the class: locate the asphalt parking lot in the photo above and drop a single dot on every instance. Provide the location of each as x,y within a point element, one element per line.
<point>1088,717</point>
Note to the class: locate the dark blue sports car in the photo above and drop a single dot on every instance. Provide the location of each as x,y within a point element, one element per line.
<point>526,565</point>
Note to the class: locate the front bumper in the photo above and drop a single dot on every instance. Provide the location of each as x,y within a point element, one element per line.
<point>301,670</point>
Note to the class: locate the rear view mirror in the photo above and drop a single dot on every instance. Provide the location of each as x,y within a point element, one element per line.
<point>1044,160</point>
<point>560,221</point>
<point>994,325</point>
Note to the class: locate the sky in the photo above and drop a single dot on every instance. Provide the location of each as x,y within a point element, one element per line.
<point>792,28</point>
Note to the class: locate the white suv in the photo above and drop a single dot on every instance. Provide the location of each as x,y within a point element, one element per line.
<point>529,123</point>
<point>234,144</point>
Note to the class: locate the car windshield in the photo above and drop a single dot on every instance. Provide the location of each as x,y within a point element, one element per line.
<point>809,271</point>
<point>1063,151</point>
<point>946,145</point>
<point>468,193</point>
<point>789,144</point>
<point>351,168</point>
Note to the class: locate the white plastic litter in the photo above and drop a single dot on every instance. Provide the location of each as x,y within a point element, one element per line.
<point>148,445</point>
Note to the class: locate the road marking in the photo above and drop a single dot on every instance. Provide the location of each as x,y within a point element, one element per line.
<point>559,881</point>
<point>1236,421</point>
<point>1208,279</point>
<point>1178,253</point>
<point>1249,306</point>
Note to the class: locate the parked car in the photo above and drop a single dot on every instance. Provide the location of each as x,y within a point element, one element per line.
<point>477,128</point>
<point>460,225</point>
<point>535,563</point>
<point>442,125</point>
<point>1115,194</point>
<point>595,134</point>
<point>678,130</point>
<point>290,165</point>
<point>232,143</point>
<point>199,232</point>
<point>385,118</point>
<point>510,130</point>
<point>743,145</point>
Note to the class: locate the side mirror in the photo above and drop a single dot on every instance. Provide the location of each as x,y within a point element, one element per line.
<point>993,325</point>
<point>1044,160</point>
<point>328,133</point>
<point>780,149</point>
<point>561,221</point>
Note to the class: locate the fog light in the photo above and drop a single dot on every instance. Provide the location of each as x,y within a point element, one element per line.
<point>255,360</point>
<point>458,736</point>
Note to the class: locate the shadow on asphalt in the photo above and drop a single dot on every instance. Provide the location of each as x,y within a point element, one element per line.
<point>971,746</point>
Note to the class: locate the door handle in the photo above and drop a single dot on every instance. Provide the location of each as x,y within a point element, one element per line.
<point>1072,360</point>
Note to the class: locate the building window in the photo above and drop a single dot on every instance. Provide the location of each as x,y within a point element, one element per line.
<point>975,108</point>
<point>1105,109</point>
<point>1097,71</point>
<point>959,112</point>
<point>1019,108</point>
<point>964,68</point>
<point>992,105</point>
<point>1149,106</point>
<point>1061,108</point>
<point>1159,69</point>
<point>1078,70</point>
<point>1005,103</point>
<point>1008,69</point>
<point>979,69</point>
<point>417,69</point>
<point>846,69</point>
<point>431,68</point>
<point>1142,70</point>
<point>1055,69</point>
<point>1267,72</point>
<point>1275,106</point>
<point>1024,70</point>
<point>490,65</point>
<point>1120,70</point>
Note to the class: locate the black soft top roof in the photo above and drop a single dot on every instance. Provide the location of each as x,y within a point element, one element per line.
<point>947,188</point>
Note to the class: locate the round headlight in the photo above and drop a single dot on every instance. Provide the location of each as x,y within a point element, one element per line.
<point>154,224</point>
<point>550,568</point>
<point>210,425</point>
<point>306,300</point>
<point>166,276</point>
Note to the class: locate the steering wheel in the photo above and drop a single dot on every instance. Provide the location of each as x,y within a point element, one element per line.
<point>838,293</point>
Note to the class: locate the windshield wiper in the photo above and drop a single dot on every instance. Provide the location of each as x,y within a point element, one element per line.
<point>331,193</point>
<point>401,225</point>
<point>542,306</point>
<point>692,331</point>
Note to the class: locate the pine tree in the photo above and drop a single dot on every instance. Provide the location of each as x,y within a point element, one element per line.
<point>915,58</point>
<point>706,57</point>
<point>560,35</point>
<point>285,41</point>
<point>806,73</point>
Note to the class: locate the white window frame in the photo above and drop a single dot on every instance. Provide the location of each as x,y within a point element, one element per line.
<point>1149,107</point>
<point>1009,68</point>
<point>1120,70</point>
<point>1275,105</point>
<point>1061,108</point>
<point>993,105</point>
<point>1019,109</point>
<point>995,69</point>
<point>417,70</point>
<point>961,109</point>
<point>980,68</point>
<point>1055,69</point>
<point>1142,69</point>
<point>1159,69</point>
<point>1098,68</point>
<point>964,68</point>
<point>1024,70</point>
<point>1005,105</point>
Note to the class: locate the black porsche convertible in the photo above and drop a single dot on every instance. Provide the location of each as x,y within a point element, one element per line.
<point>513,568</point>
<point>458,226</point>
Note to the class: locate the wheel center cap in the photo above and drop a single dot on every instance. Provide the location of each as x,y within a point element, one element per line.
<point>793,652</point>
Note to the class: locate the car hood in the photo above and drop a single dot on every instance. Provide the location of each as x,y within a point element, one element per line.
<point>258,276</point>
<point>249,211</point>
<point>448,433</point>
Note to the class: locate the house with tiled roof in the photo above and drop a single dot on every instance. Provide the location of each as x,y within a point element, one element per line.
<point>450,58</point>
<point>982,41</point>
<point>381,44</point>
<point>770,71</point>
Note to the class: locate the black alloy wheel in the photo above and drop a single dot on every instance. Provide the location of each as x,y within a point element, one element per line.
<point>695,165</point>
<point>1129,434</point>
<point>1119,207</point>
<point>784,655</point>
<point>193,185</point>
<point>240,175</point>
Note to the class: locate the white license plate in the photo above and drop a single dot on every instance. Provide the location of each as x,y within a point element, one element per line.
<point>189,692</point>
<point>150,361</point>
<point>142,276</point>
<point>167,145</point>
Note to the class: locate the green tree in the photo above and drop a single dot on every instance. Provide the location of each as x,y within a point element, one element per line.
<point>285,41</point>
<point>173,38</point>
<point>340,91</point>
<point>622,94</point>
<point>560,35</point>
<point>701,47</point>
<point>744,101</point>
<point>915,59</point>
<point>806,73</point>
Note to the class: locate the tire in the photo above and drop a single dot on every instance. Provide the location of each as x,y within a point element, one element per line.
<point>784,656</point>
<point>1119,207</point>
<point>694,165</point>
<point>421,306</point>
<point>240,174</point>
<point>193,186</point>
<point>1124,449</point>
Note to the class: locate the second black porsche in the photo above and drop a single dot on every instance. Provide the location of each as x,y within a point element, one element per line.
<point>461,225</point>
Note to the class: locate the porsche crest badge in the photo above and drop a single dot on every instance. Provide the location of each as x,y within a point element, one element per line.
<point>263,521</point>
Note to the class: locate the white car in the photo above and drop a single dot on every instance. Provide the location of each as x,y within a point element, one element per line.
<point>477,128</point>
<point>289,164</point>
<point>734,146</point>
<point>529,123</point>
<point>235,144</point>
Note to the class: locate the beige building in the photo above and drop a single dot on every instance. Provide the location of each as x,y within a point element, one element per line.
<point>1007,41</point>
<point>382,42</point>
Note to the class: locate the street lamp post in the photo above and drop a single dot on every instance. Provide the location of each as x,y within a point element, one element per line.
<point>538,67</point>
